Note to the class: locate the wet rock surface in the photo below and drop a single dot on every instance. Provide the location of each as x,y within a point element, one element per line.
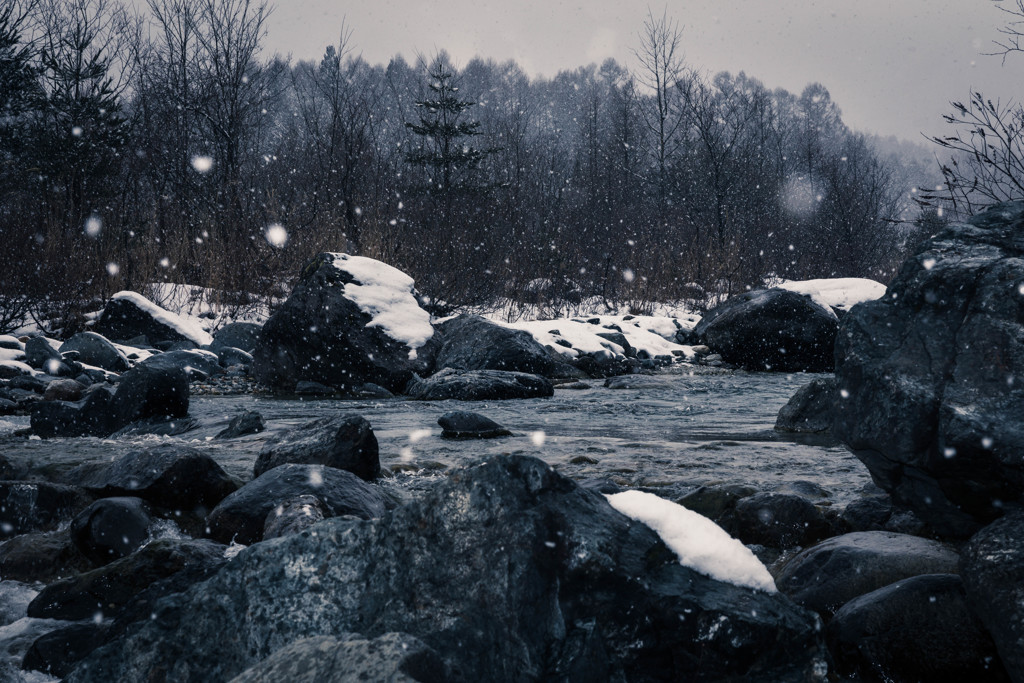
<point>828,575</point>
<point>466,425</point>
<point>470,342</point>
<point>929,372</point>
<point>918,629</point>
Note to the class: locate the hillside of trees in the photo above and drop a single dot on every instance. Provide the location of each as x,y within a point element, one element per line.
<point>165,146</point>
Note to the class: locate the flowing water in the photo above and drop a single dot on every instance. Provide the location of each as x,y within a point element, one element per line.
<point>668,433</point>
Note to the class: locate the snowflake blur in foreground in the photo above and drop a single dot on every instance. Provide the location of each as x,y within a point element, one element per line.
<point>202,163</point>
<point>113,269</point>
<point>538,438</point>
<point>276,235</point>
<point>93,225</point>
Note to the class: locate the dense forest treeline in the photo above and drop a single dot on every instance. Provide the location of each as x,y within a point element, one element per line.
<point>165,146</point>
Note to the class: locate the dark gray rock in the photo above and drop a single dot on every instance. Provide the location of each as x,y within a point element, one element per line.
<point>345,442</point>
<point>918,629</point>
<point>826,576</point>
<point>308,388</point>
<point>241,516</point>
<point>292,516</point>
<point>110,588</point>
<point>56,653</point>
<point>771,329</point>
<point>39,352</point>
<point>197,364</point>
<point>149,390</point>
<point>111,528</point>
<point>10,370</point>
<point>717,503</point>
<point>95,349</point>
<point>321,335</point>
<point>91,416</point>
<point>811,409</point>
<point>29,383</point>
<point>229,355</point>
<point>169,476</point>
<point>392,657</point>
<point>63,390</point>
<point>37,506</point>
<point>478,385</point>
<point>507,570</point>
<point>470,342</point>
<point>465,425</point>
<point>778,520</point>
<point>43,556</point>
<point>11,343</point>
<point>248,422</point>
<point>123,319</point>
<point>870,513</point>
<point>993,571</point>
<point>242,336</point>
<point>928,375</point>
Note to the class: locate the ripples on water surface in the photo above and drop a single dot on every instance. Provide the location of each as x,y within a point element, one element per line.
<point>671,432</point>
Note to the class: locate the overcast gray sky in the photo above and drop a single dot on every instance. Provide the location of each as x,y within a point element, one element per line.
<point>891,65</point>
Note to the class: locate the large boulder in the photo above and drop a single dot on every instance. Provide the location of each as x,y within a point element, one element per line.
<point>507,570</point>
<point>928,376</point>
<point>777,520</point>
<point>196,363</point>
<point>40,354</point>
<point>771,329</point>
<point>992,567</point>
<point>95,349</point>
<point>240,517</point>
<point>470,342</point>
<point>826,576</point>
<point>170,476</point>
<point>349,320</point>
<point>478,385</point>
<point>345,442</point>
<point>918,629</point>
<point>128,315</point>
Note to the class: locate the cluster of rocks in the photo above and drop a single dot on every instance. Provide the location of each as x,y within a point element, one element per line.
<point>925,395</point>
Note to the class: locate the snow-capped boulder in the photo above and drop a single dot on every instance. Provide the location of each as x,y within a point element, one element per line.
<point>771,329</point>
<point>470,342</point>
<point>128,315</point>
<point>507,570</point>
<point>349,320</point>
<point>929,376</point>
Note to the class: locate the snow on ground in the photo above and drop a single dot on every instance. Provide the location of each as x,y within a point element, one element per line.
<point>190,328</point>
<point>841,293</point>
<point>386,295</point>
<point>646,333</point>
<point>11,354</point>
<point>22,368</point>
<point>207,304</point>
<point>700,544</point>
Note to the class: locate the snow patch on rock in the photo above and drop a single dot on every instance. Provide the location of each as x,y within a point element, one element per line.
<point>842,293</point>
<point>699,543</point>
<point>188,328</point>
<point>386,295</point>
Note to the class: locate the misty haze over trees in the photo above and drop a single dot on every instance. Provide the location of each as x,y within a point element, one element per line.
<point>164,146</point>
